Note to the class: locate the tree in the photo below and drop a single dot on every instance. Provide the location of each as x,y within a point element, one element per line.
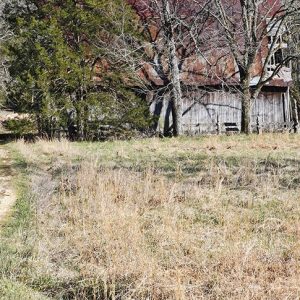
<point>295,48</point>
<point>176,93</point>
<point>5,34</point>
<point>61,69</point>
<point>172,29</point>
<point>250,30</point>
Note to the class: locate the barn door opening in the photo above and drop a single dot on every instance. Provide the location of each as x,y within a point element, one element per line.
<point>284,109</point>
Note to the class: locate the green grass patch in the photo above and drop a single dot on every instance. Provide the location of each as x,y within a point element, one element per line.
<point>16,247</point>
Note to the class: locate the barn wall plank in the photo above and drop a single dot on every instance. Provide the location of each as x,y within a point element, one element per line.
<point>205,108</point>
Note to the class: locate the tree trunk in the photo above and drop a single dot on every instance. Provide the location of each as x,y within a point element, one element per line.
<point>79,129</point>
<point>246,108</point>
<point>81,111</point>
<point>167,127</point>
<point>86,132</point>
<point>159,102</point>
<point>176,92</point>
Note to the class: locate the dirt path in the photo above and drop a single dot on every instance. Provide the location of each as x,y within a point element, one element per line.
<point>7,194</point>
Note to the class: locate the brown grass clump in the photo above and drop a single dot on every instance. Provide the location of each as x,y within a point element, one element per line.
<point>226,227</point>
<point>43,150</point>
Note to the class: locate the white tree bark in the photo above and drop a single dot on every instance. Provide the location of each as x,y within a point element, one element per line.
<point>174,73</point>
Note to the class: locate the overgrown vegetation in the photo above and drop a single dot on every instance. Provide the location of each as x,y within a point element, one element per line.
<point>68,67</point>
<point>20,126</point>
<point>207,218</point>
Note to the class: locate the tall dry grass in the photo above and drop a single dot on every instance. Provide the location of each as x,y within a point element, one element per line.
<point>229,230</point>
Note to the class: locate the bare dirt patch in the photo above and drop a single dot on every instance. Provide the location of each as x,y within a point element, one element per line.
<point>7,194</point>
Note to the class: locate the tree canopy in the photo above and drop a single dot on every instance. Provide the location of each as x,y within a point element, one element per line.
<point>66,67</point>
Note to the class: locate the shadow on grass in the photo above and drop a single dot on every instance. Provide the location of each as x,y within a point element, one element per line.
<point>6,138</point>
<point>234,170</point>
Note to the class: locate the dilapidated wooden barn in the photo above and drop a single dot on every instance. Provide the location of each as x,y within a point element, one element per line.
<point>212,81</point>
<point>207,111</point>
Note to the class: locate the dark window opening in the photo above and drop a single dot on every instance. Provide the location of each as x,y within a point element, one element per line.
<point>272,60</point>
<point>278,57</point>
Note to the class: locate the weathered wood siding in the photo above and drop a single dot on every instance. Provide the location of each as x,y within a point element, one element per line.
<point>273,111</point>
<point>209,109</point>
<point>202,111</point>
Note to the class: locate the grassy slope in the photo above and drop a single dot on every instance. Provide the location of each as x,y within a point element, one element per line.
<point>215,216</point>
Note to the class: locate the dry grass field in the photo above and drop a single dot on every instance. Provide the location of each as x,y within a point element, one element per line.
<point>191,218</point>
